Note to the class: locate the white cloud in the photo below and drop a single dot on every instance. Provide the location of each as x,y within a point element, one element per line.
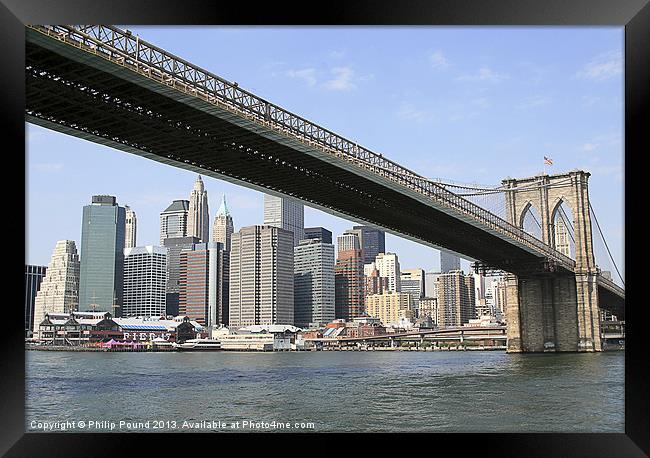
<point>342,80</point>
<point>602,67</point>
<point>484,74</point>
<point>308,75</point>
<point>408,112</point>
<point>438,60</point>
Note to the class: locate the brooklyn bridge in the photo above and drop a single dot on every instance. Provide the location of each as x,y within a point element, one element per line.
<point>105,85</point>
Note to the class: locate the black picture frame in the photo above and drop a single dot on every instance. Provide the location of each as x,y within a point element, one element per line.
<point>634,15</point>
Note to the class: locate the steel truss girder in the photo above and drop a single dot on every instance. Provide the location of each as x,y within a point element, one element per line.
<point>122,48</point>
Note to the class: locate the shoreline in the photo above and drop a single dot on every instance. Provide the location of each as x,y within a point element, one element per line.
<point>334,349</point>
<point>345,349</point>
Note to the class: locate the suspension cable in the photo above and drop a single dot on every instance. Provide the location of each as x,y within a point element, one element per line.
<point>606,246</point>
<point>501,189</point>
<point>534,219</point>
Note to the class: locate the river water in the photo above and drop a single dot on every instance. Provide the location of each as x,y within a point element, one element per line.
<point>326,391</point>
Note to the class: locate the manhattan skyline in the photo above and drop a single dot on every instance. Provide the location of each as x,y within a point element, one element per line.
<point>473,105</point>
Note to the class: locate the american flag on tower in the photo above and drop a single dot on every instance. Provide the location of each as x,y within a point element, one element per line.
<point>548,161</point>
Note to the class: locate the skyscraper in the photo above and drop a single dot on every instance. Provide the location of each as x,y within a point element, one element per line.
<point>500,299</point>
<point>203,283</point>
<point>373,242</point>
<point>493,300</point>
<point>223,226</point>
<point>348,241</point>
<point>349,284</point>
<point>313,282</point>
<point>218,284</point>
<point>456,298</point>
<point>59,291</point>
<point>173,221</point>
<point>174,247</point>
<point>430,284</point>
<point>388,266</point>
<point>33,277</point>
<point>319,233</point>
<point>412,282</point>
<point>194,283</point>
<point>198,219</point>
<point>145,280</point>
<point>482,307</point>
<point>285,213</point>
<point>131,223</point>
<point>102,255</point>
<point>261,276</point>
<point>448,262</point>
<point>390,308</point>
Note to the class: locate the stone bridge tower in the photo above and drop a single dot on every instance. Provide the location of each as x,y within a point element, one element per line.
<point>555,311</point>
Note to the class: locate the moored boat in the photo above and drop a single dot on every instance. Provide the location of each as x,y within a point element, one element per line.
<point>198,345</point>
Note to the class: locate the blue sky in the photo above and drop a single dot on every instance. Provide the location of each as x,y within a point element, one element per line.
<point>472,105</point>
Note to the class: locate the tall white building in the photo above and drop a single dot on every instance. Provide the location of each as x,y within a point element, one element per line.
<point>173,221</point>
<point>223,226</point>
<point>145,281</point>
<point>479,286</point>
<point>131,224</point>
<point>314,299</point>
<point>261,277</point>
<point>59,290</point>
<point>388,266</point>
<point>198,218</point>
<point>431,284</point>
<point>285,213</point>
<point>495,297</point>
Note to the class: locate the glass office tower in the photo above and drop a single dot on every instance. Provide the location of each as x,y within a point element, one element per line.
<point>102,256</point>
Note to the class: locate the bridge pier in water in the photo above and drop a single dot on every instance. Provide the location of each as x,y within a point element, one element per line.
<point>555,310</point>
<point>552,314</point>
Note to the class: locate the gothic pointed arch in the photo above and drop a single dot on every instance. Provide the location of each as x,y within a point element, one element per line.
<point>530,220</point>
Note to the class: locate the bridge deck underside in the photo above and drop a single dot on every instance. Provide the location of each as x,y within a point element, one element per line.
<point>103,107</point>
<point>612,302</point>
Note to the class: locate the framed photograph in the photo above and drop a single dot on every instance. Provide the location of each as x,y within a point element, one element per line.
<point>377,219</point>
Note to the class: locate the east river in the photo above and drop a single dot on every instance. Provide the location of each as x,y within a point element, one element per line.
<point>325,391</point>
